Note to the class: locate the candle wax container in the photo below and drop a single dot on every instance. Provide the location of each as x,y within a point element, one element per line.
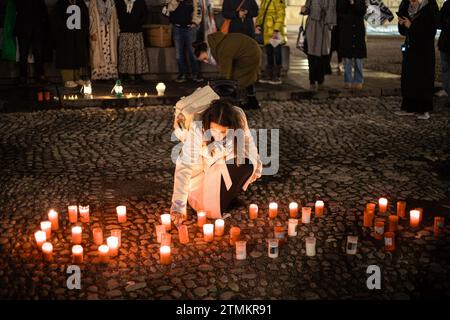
<point>208,232</point>
<point>77,254</point>
<point>160,229</point>
<point>241,250</point>
<point>272,248</point>
<point>235,233</point>
<point>166,239</point>
<point>438,225</point>
<point>280,234</point>
<point>183,234</point>
<point>166,220</point>
<point>379,229</point>
<point>219,226</point>
<point>165,256</point>
<point>47,250</point>
<point>352,244</point>
<point>306,214</point>
<point>84,213</point>
<point>46,226</point>
<point>414,218</point>
<point>201,218</point>
<point>310,245</point>
<point>113,244</point>
<point>382,205</point>
<point>76,235</point>
<point>117,233</point>
<point>370,208</point>
<point>103,253</point>
<point>97,234</point>
<point>53,218</point>
<point>401,209</point>
<point>368,219</point>
<point>253,211</point>
<point>293,210</point>
<point>273,210</point>
<point>389,241</point>
<point>121,214</point>
<point>73,213</point>
<point>40,237</point>
<point>319,206</point>
<point>393,223</point>
<point>292,227</point>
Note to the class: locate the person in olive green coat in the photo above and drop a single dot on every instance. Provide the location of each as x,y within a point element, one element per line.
<point>271,25</point>
<point>238,57</point>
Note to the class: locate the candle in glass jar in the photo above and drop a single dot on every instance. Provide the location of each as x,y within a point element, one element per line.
<point>219,226</point>
<point>382,205</point>
<point>393,223</point>
<point>306,214</point>
<point>379,229</point>
<point>401,209</point>
<point>113,244</point>
<point>235,233</point>
<point>272,248</point>
<point>368,219</point>
<point>121,214</point>
<point>166,220</point>
<point>280,234</point>
<point>47,250</point>
<point>117,233</point>
<point>77,254</point>
<point>370,208</point>
<point>208,232</point>
<point>241,250</point>
<point>46,226</point>
<point>76,235</point>
<point>273,210</point>
<point>414,218</point>
<point>40,237</point>
<point>183,234</point>
<point>319,208</point>
<point>166,239</point>
<point>164,254</point>
<point>53,218</point>
<point>292,227</point>
<point>310,245</point>
<point>253,211</point>
<point>97,234</point>
<point>389,241</point>
<point>73,213</point>
<point>352,244</point>
<point>160,229</point>
<point>438,225</point>
<point>293,210</point>
<point>103,253</point>
<point>201,218</point>
<point>84,213</point>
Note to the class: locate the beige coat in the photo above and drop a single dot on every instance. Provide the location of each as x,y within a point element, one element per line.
<point>96,55</point>
<point>198,174</point>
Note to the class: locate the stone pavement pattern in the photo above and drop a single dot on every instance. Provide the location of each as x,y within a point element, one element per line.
<point>346,152</point>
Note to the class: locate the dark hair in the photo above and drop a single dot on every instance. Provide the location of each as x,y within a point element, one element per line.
<point>199,47</point>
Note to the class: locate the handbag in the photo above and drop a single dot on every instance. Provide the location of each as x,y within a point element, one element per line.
<point>260,36</point>
<point>301,39</point>
<point>227,22</point>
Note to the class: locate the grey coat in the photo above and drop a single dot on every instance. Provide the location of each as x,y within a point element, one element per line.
<point>321,19</point>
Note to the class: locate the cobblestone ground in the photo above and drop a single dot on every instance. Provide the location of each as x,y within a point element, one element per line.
<point>346,152</point>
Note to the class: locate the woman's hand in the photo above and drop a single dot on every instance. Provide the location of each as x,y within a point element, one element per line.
<point>258,30</point>
<point>242,14</point>
<point>404,22</point>
<point>302,9</point>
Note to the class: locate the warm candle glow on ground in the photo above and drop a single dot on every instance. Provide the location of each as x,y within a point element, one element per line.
<point>121,214</point>
<point>53,218</point>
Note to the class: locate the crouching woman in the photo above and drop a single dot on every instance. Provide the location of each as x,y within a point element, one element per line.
<point>218,159</point>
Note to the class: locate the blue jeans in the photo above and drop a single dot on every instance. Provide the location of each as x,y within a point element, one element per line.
<point>357,76</point>
<point>445,69</point>
<point>183,39</point>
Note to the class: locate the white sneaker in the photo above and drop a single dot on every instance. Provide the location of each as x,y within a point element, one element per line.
<point>70,84</point>
<point>424,116</point>
<point>404,113</point>
<point>441,93</point>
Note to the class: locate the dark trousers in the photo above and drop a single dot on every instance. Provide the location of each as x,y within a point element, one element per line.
<point>317,68</point>
<point>33,41</point>
<point>273,55</point>
<point>239,175</point>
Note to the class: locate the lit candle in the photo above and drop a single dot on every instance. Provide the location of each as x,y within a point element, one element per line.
<point>40,237</point>
<point>393,223</point>
<point>272,248</point>
<point>183,234</point>
<point>273,210</point>
<point>73,214</point>
<point>389,241</point>
<point>292,227</point>
<point>319,205</point>
<point>368,219</point>
<point>310,245</point>
<point>414,218</point>
<point>241,250</point>
<point>121,214</point>
<point>164,254</point>
<point>98,236</point>
<point>47,249</point>
<point>379,229</point>
<point>113,244</point>
<point>219,226</point>
<point>201,218</point>
<point>117,233</point>
<point>208,232</point>
<point>421,214</point>
<point>235,233</point>
<point>293,209</point>
<point>53,218</point>
<point>166,239</point>
<point>253,211</point>
<point>103,253</point>
<point>352,244</point>
<point>280,234</point>
<point>370,208</point>
<point>306,214</point>
<point>84,213</point>
<point>160,229</point>
<point>160,88</point>
<point>77,254</point>
<point>46,226</point>
<point>401,209</point>
<point>438,225</point>
<point>166,221</point>
<point>76,235</point>
<point>382,205</point>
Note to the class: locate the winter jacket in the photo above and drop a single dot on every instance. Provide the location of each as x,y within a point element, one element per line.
<point>275,19</point>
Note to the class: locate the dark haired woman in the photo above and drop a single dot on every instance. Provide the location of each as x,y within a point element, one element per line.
<point>218,159</point>
<point>238,57</point>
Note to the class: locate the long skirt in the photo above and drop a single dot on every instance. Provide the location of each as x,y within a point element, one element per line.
<point>132,54</point>
<point>107,70</point>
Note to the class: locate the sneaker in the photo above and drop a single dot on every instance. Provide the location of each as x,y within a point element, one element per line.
<point>339,69</point>
<point>424,116</point>
<point>197,78</point>
<point>404,113</point>
<point>70,84</point>
<point>181,78</point>
<point>358,86</point>
<point>267,76</point>
<point>347,86</point>
<point>275,81</point>
<point>441,93</point>
<point>312,87</point>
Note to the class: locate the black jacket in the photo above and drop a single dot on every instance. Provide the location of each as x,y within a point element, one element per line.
<point>444,25</point>
<point>131,22</point>
<point>352,32</point>
<point>237,25</point>
<point>31,16</point>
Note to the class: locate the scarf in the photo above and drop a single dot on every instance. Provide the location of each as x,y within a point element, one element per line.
<point>414,9</point>
<point>129,4</point>
<point>104,8</point>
